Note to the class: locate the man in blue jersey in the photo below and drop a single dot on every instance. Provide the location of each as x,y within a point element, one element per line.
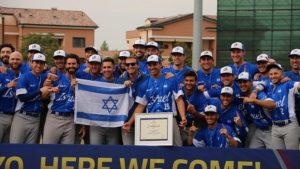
<point>237,52</point>
<point>231,114</point>
<point>100,134</point>
<point>5,51</point>
<point>152,48</point>
<point>59,62</point>
<point>88,51</point>
<point>215,135</point>
<point>121,67</point>
<point>194,102</point>
<point>59,126</point>
<point>259,110</point>
<point>294,74</point>
<point>285,130</point>
<point>178,68</point>
<point>139,50</point>
<point>8,99</point>
<point>159,95</point>
<point>208,76</point>
<point>29,90</point>
<point>94,73</point>
<point>262,63</point>
<point>32,49</point>
<point>133,78</point>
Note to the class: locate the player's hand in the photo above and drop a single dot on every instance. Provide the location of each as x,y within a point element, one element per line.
<point>224,131</point>
<point>126,127</point>
<point>169,75</point>
<point>48,83</point>
<point>191,108</point>
<point>128,83</point>
<point>46,90</point>
<point>256,76</point>
<point>253,95</point>
<point>237,120</point>
<point>3,69</point>
<point>52,77</point>
<point>285,79</point>
<point>247,99</point>
<point>82,131</point>
<point>53,70</point>
<point>55,89</point>
<point>201,88</point>
<point>193,129</point>
<point>271,61</point>
<point>87,70</point>
<point>183,122</point>
<point>215,86</point>
<point>12,83</point>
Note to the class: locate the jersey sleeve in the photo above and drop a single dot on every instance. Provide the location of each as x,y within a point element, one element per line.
<point>198,140</point>
<point>141,94</point>
<point>175,89</point>
<point>21,85</point>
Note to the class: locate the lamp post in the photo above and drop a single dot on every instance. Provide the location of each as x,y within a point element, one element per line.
<point>197,33</point>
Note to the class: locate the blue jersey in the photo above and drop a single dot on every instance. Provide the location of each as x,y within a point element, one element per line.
<point>159,94</point>
<point>28,92</point>
<point>82,67</point>
<point>208,79</point>
<point>261,119</point>
<point>87,76</point>
<point>143,67</point>
<point>135,85</point>
<point>283,95</point>
<point>178,73</point>
<point>227,117</point>
<point>216,92</point>
<point>198,100</point>
<point>293,76</point>
<point>63,101</point>
<point>213,138</point>
<point>245,67</point>
<point>8,98</point>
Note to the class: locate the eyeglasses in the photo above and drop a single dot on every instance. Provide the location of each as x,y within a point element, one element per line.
<point>130,64</point>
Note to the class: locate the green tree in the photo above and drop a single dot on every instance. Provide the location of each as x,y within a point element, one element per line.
<point>47,42</point>
<point>187,50</point>
<point>104,46</point>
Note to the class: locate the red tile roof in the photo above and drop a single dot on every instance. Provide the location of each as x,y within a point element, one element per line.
<point>52,17</point>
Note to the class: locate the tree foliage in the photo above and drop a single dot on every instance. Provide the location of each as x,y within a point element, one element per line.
<point>47,43</point>
<point>104,46</point>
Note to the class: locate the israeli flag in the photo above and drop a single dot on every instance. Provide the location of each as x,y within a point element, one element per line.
<point>101,104</point>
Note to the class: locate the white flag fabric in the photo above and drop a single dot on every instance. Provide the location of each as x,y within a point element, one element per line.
<point>101,104</point>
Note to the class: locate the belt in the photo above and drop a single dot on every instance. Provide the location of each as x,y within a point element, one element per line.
<point>282,123</point>
<point>65,114</point>
<point>32,114</point>
<point>8,113</point>
<point>266,128</point>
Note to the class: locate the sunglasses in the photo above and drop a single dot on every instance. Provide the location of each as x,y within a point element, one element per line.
<point>130,64</point>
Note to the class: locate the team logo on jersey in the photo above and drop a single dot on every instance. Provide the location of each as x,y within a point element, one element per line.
<point>279,91</point>
<point>165,86</point>
<point>110,104</point>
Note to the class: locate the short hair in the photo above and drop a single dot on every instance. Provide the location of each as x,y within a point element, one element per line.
<point>73,56</point>
<point>190,73</point>
<point>132,57</point>
<point>109,59</point>
<point>6,45</point>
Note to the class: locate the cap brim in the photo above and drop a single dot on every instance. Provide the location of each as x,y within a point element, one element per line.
<point>294,55</point>
<point>177,52</point>
<point>235,48</point>
<point>269,67</point>
<point>148,46</point>
<point>210,112</point>
<point>88,48</point>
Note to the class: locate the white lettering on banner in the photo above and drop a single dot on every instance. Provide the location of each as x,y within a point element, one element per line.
<point>159,99</point>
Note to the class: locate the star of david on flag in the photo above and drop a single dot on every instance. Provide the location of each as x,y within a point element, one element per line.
<point>101,104</point>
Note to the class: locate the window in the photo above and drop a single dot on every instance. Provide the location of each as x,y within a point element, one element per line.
<point>78,42</point>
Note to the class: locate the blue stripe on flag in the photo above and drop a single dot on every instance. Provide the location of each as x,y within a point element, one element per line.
<point>97,117</point>
<point>102,90</point>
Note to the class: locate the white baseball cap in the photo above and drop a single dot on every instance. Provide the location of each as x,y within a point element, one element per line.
<point>39,57</point>
<point>262,57</point>
<point>153,58</point>
<point>139,42</point>
<point>124,53</point>
<point>243,76</point>
<point>226,70</point>
<point>59,53</point>
<point>274,65</point>
<point>237,45</point>
<point>91,47</point>
<point>95,58</point>
<point>152,44</point>
<point>206,53</point>
<point>35,47</point>
<point>210,109</point>
<point>177,49</point>
<point>295,52</point>
<point>227,90</point>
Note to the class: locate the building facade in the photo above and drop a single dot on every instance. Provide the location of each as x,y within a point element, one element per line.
<point>263,26</point>
<point>171,30</point>
<point>73,29</point>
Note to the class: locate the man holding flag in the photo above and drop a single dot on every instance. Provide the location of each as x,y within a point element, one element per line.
<point>159,95</point>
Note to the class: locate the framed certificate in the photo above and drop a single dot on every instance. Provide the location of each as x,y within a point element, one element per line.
<point>154,129</point>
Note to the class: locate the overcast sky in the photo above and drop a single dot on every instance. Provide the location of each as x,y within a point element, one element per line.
<point>115,17</point>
